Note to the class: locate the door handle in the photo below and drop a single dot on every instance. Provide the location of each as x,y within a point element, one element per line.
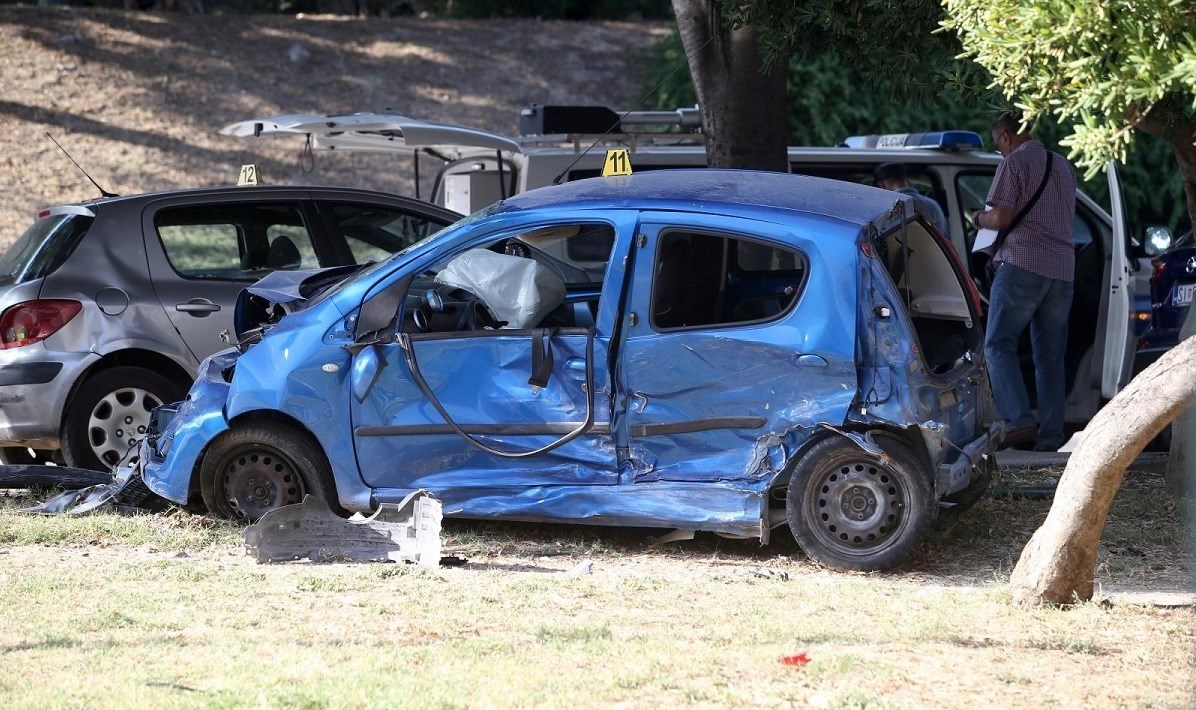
<point>198,307</point>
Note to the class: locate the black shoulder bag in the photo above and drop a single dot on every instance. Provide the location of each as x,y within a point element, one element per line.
<point>1017,219</point>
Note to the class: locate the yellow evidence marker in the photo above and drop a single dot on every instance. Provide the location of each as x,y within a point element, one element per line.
<point>618,162</point>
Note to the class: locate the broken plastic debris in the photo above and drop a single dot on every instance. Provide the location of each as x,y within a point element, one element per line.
<point>408,531</point>
<point>795,659</point>
<point>124,491</point>
<point>674,536</point>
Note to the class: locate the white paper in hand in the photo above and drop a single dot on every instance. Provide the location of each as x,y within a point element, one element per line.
<point>985,238</point>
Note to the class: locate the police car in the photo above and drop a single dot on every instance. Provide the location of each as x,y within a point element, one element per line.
<point>471,169</point>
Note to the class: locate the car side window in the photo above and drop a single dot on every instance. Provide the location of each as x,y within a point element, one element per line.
<point>373,233</point>
<point>241,242</point>
<point>703,279</point>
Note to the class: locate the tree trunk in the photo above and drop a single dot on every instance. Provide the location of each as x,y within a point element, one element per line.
<point>1180,475</point>
<point>1059,563</point>
<point>742,107</point>
<point>1168,120</point>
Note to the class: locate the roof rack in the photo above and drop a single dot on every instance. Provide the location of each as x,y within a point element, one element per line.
<point>538,120</point>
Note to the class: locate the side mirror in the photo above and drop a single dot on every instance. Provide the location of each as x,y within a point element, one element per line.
<point>1158,239</point>
<point>367,367</point>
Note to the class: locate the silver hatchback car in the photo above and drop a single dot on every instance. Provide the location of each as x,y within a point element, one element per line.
<point>108,306</point>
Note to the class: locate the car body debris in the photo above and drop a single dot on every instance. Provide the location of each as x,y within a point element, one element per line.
<point>408,531</point>
<point>123,490</point>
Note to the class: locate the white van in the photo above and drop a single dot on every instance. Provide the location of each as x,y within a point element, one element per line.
<point>472,168</point>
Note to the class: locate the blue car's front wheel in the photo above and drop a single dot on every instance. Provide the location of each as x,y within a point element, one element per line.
<point>255,468</point>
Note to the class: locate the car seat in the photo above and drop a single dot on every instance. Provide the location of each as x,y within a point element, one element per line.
<point>283,254</point>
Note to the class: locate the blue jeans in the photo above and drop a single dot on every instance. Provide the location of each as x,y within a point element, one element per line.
<point>1019,298</point>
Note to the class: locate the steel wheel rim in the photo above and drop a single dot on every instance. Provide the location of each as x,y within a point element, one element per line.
<point>857,507</point>
<point>118,421</point>
<point>256,481</point>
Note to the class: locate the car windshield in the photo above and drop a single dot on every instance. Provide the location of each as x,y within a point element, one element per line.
<point>43,247</point>
<point>447,233</point>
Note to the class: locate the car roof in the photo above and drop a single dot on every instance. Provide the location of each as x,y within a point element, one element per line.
<point>720,190</point>
<point>264,191</point>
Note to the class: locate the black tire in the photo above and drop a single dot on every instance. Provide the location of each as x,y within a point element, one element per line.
<point>23,456</point>
<point>110,412</point>
<point>252,469</point>
<point>849,510</point>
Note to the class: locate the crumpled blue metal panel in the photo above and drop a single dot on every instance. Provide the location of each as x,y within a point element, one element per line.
<point>701,377</point>
<point>898,390</point>
<point>483,381</point>
<point>733,509</point>
<point>199,419</point>
<point>735,401</point>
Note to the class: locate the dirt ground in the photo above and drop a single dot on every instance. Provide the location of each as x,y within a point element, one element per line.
<point>137,98</point>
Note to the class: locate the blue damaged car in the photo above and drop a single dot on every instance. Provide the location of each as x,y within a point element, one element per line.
<point>704,350</point>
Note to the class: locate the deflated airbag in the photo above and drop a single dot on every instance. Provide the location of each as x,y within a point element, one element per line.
<point>516,290</point>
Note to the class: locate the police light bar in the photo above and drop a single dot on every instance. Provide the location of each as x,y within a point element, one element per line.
<point>934,140</point>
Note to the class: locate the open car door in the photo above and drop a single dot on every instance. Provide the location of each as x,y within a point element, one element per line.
<point>1118,346</point>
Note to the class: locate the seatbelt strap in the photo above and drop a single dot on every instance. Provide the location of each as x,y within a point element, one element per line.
<point>541,357</point>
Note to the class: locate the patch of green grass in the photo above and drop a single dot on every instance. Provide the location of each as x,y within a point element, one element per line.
<point>568,635</point>
<point>1084,646</point>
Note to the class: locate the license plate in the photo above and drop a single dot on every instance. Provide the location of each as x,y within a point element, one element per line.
<point>1183,294</point>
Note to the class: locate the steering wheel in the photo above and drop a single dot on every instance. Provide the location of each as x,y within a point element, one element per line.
<point>479,317</point>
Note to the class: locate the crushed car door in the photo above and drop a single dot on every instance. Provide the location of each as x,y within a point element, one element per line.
<point>1118,341</point>
<point>455,404</point>
<point>739,341</point>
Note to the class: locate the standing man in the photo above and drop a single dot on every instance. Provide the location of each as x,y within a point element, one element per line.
<point>1035,265</point>
<point>895,176</point>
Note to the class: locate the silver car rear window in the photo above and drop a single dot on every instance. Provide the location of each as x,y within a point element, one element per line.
<point>43,247</point>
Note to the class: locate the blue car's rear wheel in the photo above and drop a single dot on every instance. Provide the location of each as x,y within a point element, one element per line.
<point>253,469</point>
<point>851,509</point>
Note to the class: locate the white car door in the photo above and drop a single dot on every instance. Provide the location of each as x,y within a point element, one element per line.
<point>1118,343</point>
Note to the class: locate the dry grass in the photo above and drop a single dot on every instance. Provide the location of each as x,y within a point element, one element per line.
<point>168,610</point>
<point>138,97</point>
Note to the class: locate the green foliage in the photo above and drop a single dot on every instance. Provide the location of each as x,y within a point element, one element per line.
<point>829,100</point>
<point>891,44</point>
<point>1097,65</point>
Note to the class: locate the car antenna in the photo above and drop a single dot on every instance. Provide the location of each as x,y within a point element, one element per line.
<point>103,192</point>
<point>634,106</point>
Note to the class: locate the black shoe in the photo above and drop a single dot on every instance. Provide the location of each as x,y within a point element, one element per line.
<point>1019,437</point>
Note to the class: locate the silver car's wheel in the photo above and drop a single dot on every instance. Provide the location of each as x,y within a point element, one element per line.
<point>110,413</point>
<point>118,421</point>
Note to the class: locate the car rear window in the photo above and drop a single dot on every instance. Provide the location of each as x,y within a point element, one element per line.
<point>43,247</point>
